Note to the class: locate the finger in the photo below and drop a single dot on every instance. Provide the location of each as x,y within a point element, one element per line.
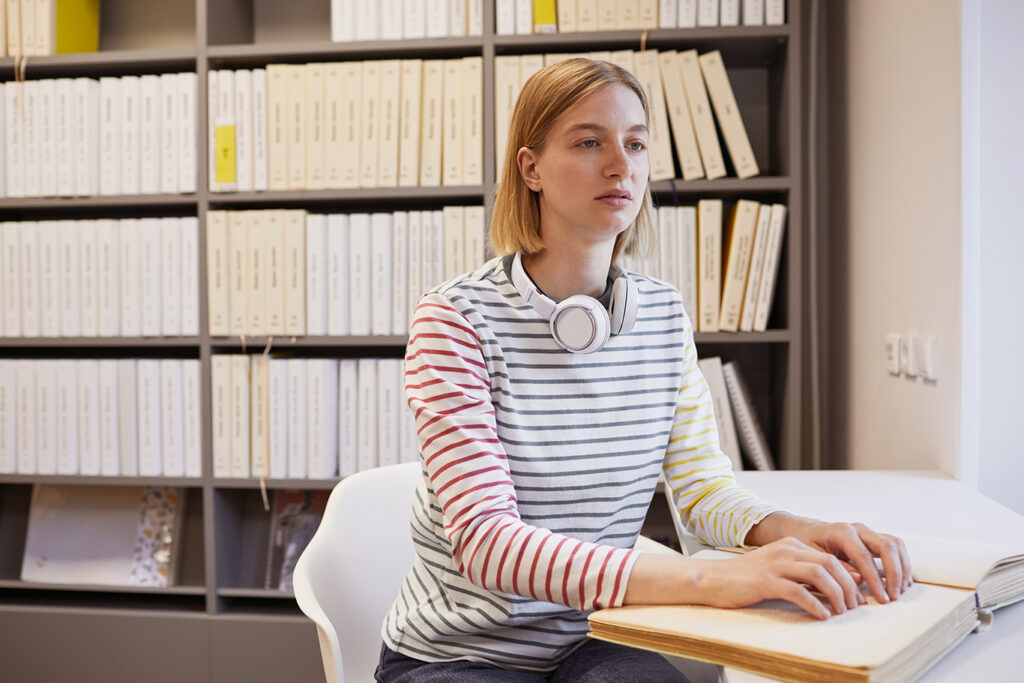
<point>839,571</point>
<point>908,578</point>
<point>887,550</point>
<point>801,597</point>
<point>858,554</point>
<point>819,579</point>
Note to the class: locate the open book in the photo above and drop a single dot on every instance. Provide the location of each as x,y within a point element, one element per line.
<point>957,582</point>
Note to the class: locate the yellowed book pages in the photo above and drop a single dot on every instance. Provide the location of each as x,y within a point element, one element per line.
<point>728,113</point>
<point>238,250</point>
<point>410,120</point>
<point>334,85</point>
<point>295,126</point>
<point>351,123</point>
<point>567,16</point>
<point>757,254</point>
<point>586,15</point>
<point>316,121</point>
<point>433,102</point>
<point>387,153</point>
<point>709,263</point>
<point>737,244</point>
<point>607,15</point>
<point>507,84</point>
<point>277,138</point>
<point>472,121</point>
<point>453,128</point>
<point>256,272</point>
<point>294,271</point>
<point>369,146</point>
<point>217,279</point>
<point>273,254</point>
<point>659,143</point>
<point>679,116</point>
<point>700,114</point>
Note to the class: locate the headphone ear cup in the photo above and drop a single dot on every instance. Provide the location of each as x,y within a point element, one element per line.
<point>580,324</point>
<point>625,302</point>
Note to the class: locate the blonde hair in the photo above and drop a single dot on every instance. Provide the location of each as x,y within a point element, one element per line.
<point>515,224</point>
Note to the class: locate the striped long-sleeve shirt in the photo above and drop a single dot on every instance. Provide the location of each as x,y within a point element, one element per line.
<point>539,466</point>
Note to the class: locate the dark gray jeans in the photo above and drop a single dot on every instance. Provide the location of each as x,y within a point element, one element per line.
<point>596,661</point>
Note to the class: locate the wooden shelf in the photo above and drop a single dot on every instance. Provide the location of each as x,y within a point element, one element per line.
<point>96,480</point>
<point>260,54</point>
<point>105,63</point>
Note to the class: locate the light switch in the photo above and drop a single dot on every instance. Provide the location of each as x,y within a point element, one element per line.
<point>908,355</point>
<point>926,360</point>
<point>892,353</point>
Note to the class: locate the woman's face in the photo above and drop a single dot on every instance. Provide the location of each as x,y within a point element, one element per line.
<point>592,171</point>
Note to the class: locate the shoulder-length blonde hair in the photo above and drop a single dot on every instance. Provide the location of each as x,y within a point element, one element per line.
<point>515,224</point>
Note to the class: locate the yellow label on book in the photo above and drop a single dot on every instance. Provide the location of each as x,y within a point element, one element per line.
<point>225,154</point>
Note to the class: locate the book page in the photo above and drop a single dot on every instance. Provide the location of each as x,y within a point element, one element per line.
<point>956,562</point>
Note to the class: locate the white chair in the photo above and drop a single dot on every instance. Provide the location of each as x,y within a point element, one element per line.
<point>351,571</point>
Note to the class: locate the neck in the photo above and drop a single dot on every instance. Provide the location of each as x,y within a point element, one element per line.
<point>562,273</point>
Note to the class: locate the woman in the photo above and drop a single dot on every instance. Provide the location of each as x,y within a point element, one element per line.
<point>544,420</point>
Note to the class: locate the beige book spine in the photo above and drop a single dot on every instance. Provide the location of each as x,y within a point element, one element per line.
<point>724,101</point>
<point>277,139</point>
<point>700,114</point>
<point>506,90</point>
<point>679,115</point>
<point>238,241</point>
<point>454,241</point>
<point>567,16</point>
<point>387,155</point>
<point>256,289</point>
<point>294,272</point>
<point>352,124</point>
<point>607,15</point>
<point>756,267</point>
<point>770,273</point>
<point>660,142</point>
<point>648,14</point>
<point>409,121</point>
<point>738,243</point>
<point>240,401</point>
<point>259,435</point>
<point>334,88</point>
<point>586,15</point>
<point>369,146</point>
<point>273,256</point>
<point>709,263</point>
<point>453,126</point>
<point>627,14</point>
<point>295,126</point>
<point>315,123</point>
<point>473,118</point>
<point>217,280</point>
<point>430,149</point>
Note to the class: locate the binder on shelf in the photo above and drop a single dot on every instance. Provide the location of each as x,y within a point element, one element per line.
<point>46,417</point>
<point>278,421</point>
<point>259,422</point>
<point>752,441</point>
<point>737,245</point>
<point>709,263</point>
<point>726,110</point>
<point>220,413</point>
<point>297,438</point>
<point>109,418</point>
<point>773,252</point>
<point>711,368</point>
<point>172,424</point>
<point>67,417</point>
<point>127,418</point>
<point>700,114</point>
<point>147,374</point>
<point>239,418</point>
<point>757,255</point>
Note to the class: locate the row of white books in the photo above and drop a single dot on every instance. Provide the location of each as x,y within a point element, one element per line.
<point>346,125</point>
<point>727,277</point>
<point>100,278</point>
<point>287,272</point>
<point>313,418</point>
<point>405,19</point>
<point>566,16</point>
<point>30,27</point>
<point>740,433</point>
<point>687,94</point>
<point>82,136</point>
<point>100,417</point>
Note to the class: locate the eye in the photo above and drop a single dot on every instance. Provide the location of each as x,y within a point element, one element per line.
<point>637,145</point>
<point>589,144</point>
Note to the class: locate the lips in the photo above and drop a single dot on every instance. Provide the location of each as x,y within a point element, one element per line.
<point>616,194</point>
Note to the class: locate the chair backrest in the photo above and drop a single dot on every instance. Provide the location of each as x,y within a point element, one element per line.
<point>349,574</point>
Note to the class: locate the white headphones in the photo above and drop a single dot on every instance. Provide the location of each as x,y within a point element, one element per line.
<point>580,323</point>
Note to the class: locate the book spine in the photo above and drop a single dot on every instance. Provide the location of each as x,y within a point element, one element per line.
<point>217,279</point>
<point>769,275</point>
<point>369,146</point>
<point>108,263</point>
<point>10,243</point>
<point>172,413</point>
<point>472,121</point>
<point>415,269</point>
<point>220,409</point>
<point>127,418</point>
<point>188,230</point>
<point>322,406</point>
<point>273,257</point>
<point>700,115</point>
<point>109,429</point>
<point>409,134</point>
<point>46,416</point>
<point>238,276</point>
<point>130,280</point>
<point>240,407</point>
<point>26,430</point>
<point>388,370</point>
<point>316,282</point>
<point>260,181</point>
<point>277,137</point>
<point>709,254</point>
<point>152,267</point>
<point>31,143</point>
<point>738,245</point>
<point>295,272</point>
<point>88,417</point>
<point>359,273</point>
<point>67,417</point>
<point>259,416</point>
<point>49,283</point>
<point>297,438</point>
<point>277,418</point>
<point>414,19</point>
<point>295,126</point>
<point>352,124</point>
<point>336,274</point>
<point>150,119</point>
<point>381,286</point>
<point>170,141</point>
<point>727,111</point>
<point>188,136</point>
<point>14,139</point>
<point>256,267</point>
<point>348,422</point>
<point>68,279</point>
<point>366,453</point>
<point>454,241</point>
<point>147,374</point>
<point>756,268</point>
<point>334,84</point>
<point>30,279</point>
<point>243,130</point>
<point>400,271</point>
<point>453,123</point>
<point>387,153</point>
<point>431,131</point>
<point>316,120</point>
<point>131,134</point>
<point>65,142</point>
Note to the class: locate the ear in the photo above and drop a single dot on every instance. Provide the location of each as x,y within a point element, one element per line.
<point>526,159</point>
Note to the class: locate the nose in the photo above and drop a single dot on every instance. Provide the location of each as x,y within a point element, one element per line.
<point>617,163</point>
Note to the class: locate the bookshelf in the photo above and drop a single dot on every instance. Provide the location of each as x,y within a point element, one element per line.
<point>205,627</point>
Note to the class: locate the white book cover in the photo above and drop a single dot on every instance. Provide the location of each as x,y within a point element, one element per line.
<point>367,21</point>
<point>414,19</point>
<point>65,141</point>
<point>277,418</point>
<point>240,406</point>
<point>31,167</point>
<point>10,247</point>
<point>88,417</point>
<point>431,131</point>
<point>336,274</point>
<point>709,263</point>
<point>342,20</point>
<point>774,12</point>
<point>472,121</point>
<point>668,245</point>
<point>31,280</point>
<point>334,123</point>
<point>259,130</point>
<point>388,372</point>
<point>277,137</point>
<point>152,265</point>
<point>524,16</point>
<point>25,386</point>
<point>108,271</point>
<point>223,132</point>
<point>243,130</point>
<point>660,141</point>
<point>627,14</point>
<point>273,256</point>
<point>127,418</point>
<point>437,246</point>
<point>366,448</point>
<point>453,124</point>
<point>150,132</point>
<point>88,264</point>
<point>238,251</point>
<point>507,85</point>
<point>87,136</point>
<point>3,113</point>
<point>259,415</point>
<point>679,116</point>
<point>728,114</point>
<point>707,12</point>
<point>369,146</point>
<point>9,416</point>
<point>416,266</point>
<point>316,121</point>
<point>348,416</point>
<point>753,12</point>
<point>391,19</point>
<point>187,169</point>
<point>400,272</point>
<point>700,115</point>
<point>668,14</point>
<point>475,237</point>
<point>316,280</point>
<point>14,139</point>
<point>188,229</point>
<point>409,115</point>
<point>147,394</point>
<point>567,12</point>
<point>46,416</point>
<point>711,368</point>
<point>505,17</point>
<point>381,282</point>
<point>437,18</point>
<point>360,276</point>
<point>457,18</point>
<point>67,416</point>
<point>753,285</point>
<point>387,152</point>
<point>256,271</point>
<point>729,13</point>
<point>321,410</point>
<point>217,278</point>
<point>454,241</point>
<point>686,217</point>
<point>295,126</point>
<point>49,279</point>
<point>110,455</point>
<point>475,17</point>
<point>170,134</point>
<point>770,272</point>
<point>220,413</point>
<point>687,14</point>
<point>607,15</point>
<point>295,272</point>
<point>191,418</point>
<point>352,123</point>
<point>172,414</point>
<point>131,134</point>
<point>297,438</point>
<point>130,276</point>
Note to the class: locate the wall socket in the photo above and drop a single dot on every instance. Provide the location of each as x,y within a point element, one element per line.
<point>912,355</point>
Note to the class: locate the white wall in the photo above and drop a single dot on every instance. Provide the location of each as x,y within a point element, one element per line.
<point>896,245</point>
<point>993,243</point>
